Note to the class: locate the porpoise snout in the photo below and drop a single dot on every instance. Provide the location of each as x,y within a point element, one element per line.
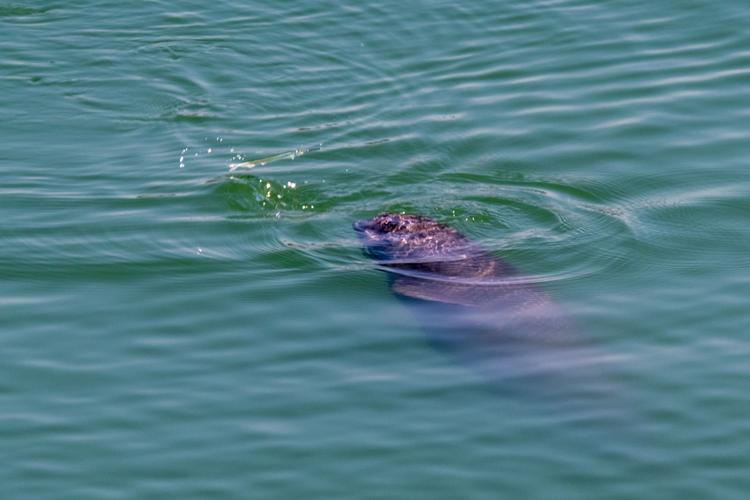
<point>360,226</point>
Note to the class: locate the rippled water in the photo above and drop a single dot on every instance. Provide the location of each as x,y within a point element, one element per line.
<point>171,329</point>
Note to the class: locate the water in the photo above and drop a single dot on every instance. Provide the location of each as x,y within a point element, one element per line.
<point>171,330</point>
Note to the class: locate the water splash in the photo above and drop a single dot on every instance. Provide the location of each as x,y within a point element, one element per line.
<point>287,155</point>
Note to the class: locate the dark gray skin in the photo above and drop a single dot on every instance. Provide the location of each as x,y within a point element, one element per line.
<point>471,303</point>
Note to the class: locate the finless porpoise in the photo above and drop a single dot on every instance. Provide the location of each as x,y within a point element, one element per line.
<point>473,303</point>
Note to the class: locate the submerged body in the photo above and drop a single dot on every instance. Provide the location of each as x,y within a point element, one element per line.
<point>472,303</point>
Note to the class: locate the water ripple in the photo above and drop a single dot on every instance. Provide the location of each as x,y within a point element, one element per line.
<point>172,329</point>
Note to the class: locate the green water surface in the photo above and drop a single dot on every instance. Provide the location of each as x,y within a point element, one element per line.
<point>173,330</point>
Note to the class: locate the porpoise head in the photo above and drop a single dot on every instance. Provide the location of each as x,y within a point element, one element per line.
<point>406,238</point>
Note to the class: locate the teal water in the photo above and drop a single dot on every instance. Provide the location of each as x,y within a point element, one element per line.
<point>174,330</point>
